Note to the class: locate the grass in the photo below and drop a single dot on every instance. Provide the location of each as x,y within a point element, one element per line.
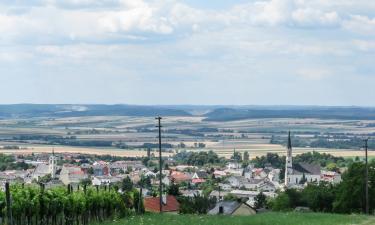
<point>260,219</point>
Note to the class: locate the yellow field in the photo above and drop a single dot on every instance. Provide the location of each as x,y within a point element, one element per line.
<point>254,150</point>
<point>81,150</point>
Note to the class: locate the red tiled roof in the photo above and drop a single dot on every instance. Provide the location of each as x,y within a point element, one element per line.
<point>179,177</point>
<point>198,180</point>
<point>152,204</point>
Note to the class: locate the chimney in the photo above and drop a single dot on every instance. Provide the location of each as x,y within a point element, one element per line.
<point>164,199</point>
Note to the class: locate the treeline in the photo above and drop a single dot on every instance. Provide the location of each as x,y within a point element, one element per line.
<point>346,197</point>
<point>73,141</point>
<point>8,162</point>
<point>32,205</point>
<point>278,162</point>
<point>199,158</point>
<point>335,141</point>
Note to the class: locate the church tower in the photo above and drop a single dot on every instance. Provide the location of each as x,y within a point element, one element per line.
<point>288,163</point>
<point>52,165</point>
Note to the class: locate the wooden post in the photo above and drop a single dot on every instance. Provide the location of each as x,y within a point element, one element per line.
<point>366,178</point>
<point>8,202</point>
<point>140,201</point>
<point>42,205</point>
<point>160,167</point>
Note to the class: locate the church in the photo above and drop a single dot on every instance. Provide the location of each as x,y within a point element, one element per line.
<point>299,173</point>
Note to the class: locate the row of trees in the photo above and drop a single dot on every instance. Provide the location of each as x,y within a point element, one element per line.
<point>199,158</point>
<point>33,205</point>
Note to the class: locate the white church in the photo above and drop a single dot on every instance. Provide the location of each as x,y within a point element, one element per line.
<point>43,169</point>
<point>300,173</point>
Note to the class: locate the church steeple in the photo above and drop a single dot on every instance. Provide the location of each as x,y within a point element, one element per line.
<point>289,159</point>
<point>289,146</point>
<point>52,165</point>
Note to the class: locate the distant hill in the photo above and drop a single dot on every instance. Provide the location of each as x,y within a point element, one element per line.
<point>228,114</point>
<point>66,110</point>
<point>211,113</point>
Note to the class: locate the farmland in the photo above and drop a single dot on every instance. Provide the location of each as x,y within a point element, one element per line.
<point>132,135</point>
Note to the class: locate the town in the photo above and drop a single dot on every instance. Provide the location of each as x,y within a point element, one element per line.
<point>226,181</point>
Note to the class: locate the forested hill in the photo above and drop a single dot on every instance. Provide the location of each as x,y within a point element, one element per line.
<point>228,114</point>
<point>53,110</point>
<point>211,113</point>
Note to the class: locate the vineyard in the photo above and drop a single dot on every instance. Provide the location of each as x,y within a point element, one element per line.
<point>35,205</point>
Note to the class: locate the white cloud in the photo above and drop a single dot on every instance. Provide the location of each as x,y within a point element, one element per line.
<point>360,24</point>
<point>313,17</point>
<point>314,74</point>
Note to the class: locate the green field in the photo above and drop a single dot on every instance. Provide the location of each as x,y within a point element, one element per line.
<point>260,219</point>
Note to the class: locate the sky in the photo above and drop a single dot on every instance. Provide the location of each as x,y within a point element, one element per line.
<point>212,52</point>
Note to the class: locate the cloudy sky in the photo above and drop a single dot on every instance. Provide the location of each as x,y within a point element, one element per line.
<point>295,52</point>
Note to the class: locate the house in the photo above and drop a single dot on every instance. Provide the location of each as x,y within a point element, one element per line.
<point>219,195</point>
<point>200,175</point>
<point>71,174</point>
<point>234,172</point>
<point>233,165</point>
<point>104,180</point>
<point>197,181</point>
<point>254,184</point>
<point>267,186</point>
<point>274,175</point>
<point>225,187</point>
<point>219,173</point>
<point>41,170</point>
<point>170,204</point>
<point>232,208</point>
<point>331,177</point>
<point>242,182</point>
<point>100,170</point>
<point>236,181</point>
<point>179,177</point>
<point>191,193</point>
<point>119,166</point>
<point>259,173</point>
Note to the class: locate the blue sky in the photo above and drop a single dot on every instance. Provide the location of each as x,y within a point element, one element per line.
<point>294,52</point>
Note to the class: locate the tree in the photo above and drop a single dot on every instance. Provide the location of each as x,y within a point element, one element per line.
<point>196,205</point>
<point>350,193</point>
<point>230,197</point>
<point>90,171</point>
<point>85,182</point>
<point>246,156</point>
<point>281,203</point>
<point>45,179</point>
<point>319,197</point>
<point>236,156</point>
<point>174,189</point>
<point>303,179</point>
<point>260,200</point>
<point>126,184</point>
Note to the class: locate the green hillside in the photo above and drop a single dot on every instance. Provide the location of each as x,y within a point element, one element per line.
<point>260,219</point>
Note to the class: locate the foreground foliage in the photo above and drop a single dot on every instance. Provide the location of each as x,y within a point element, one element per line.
<point>346,197</point>
<point>259,219</point>
<point>33,205</point>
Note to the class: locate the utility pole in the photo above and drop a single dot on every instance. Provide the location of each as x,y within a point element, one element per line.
<point>366,176</point>
<point>160,166</point>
